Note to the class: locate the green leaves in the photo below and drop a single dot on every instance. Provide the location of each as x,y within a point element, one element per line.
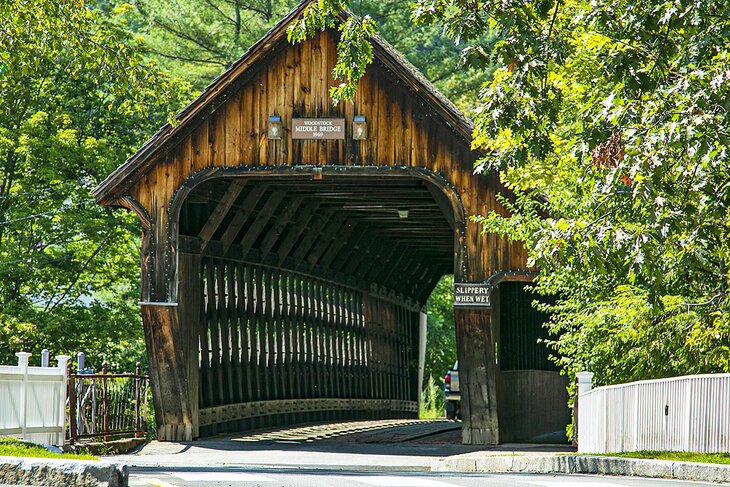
<point>617,120</point>
<point>354,50</point>
<point>76,100</point>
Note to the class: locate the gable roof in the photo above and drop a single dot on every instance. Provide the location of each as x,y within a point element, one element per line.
<point>397,63</point>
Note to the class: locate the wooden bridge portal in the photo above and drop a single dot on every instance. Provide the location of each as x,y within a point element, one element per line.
<point>285,270</point>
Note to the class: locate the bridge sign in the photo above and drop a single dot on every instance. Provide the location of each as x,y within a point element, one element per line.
<point>472,295</point>
<point>318,128</point>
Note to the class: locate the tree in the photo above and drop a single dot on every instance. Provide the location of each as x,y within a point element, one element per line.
<point>609,120</point>
<point>196,40</point>
<point>441,331</point>
<point>435,55</point>
<point>76,98</point>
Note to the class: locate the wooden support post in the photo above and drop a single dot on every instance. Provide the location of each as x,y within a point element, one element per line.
<point>361,345</point>
<point>192,324</point>
<point>285,329</point>
<point>225,334</point>
<point>320,337</point>
<point>477,376</point>
<point>233,320</point>
<point>300,383</point>
<point>206,370</point>
<point>270,289</point>
<point>168,372</point>
<point>244,293</point>
<point>262,297</point>
<point>252,319</point>
<point>308,318</point>
<point>275,335</point>
<point>214,330</point>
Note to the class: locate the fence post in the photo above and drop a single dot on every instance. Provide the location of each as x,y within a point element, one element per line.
<point>137,397</point>
<point>72,420</point>
<point>105,399</point>
<point>23,365</point>
<point>80,362</point>
<point>63,368</point>
<point>585,384</point>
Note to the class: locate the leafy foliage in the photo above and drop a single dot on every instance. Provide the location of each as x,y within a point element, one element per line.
<point>436,56</point>
<point>76,98</point>
<point>354,51</point>
<point>441,335</point>
<point>196,40</point>
<point>631,102</point>
<point>609,120</point>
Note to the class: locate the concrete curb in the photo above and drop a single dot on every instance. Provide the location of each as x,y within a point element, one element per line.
<point>569,464</point>
<point>52,472</point>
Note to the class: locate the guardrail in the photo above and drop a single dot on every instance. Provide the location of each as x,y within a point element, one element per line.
<point>690,414</point>
<point>33,400</point>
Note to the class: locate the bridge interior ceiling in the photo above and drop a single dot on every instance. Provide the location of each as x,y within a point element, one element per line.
<point>388,233</point>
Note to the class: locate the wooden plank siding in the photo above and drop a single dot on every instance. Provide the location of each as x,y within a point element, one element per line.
<point>403,132</point>
<point>296,305</point>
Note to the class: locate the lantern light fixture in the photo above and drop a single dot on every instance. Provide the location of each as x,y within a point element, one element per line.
<point>274,131</point>
<point>359,128</point>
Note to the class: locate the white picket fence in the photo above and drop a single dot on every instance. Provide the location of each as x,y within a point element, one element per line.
<point>33,401</point>
<point>689,414</point>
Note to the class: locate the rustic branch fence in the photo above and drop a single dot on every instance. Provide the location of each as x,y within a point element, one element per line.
<point>107,405</point>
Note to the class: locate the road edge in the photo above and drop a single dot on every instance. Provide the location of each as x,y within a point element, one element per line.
<point>62,472</point>
<point>580,464</point>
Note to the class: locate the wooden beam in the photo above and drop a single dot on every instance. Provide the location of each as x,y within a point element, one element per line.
<point>343,257</point>
<point>259,224</point>
<point>281,222</point>
<point>328,236</point>
<point>310,210</point>
<point>312,233</point>
<point>249,204</point>
<point>219,213</point>
<point>338,244</point>
<point>443,204</point>
<point>387,258</point>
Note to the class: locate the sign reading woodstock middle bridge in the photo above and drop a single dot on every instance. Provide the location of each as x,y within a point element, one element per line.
<point>318,128</point>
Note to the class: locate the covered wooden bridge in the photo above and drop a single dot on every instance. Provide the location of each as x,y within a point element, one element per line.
<point>289,247</point>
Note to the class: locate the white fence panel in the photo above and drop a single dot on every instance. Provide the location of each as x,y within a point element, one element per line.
<point>33,401</point>
<point>689,413</point>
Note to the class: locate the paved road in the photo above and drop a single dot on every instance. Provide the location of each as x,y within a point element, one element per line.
<point>345,478</point>
<point>359,454</point>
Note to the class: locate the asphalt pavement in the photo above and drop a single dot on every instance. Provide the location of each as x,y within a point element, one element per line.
<point>398,453</point>
<point>217,477</point>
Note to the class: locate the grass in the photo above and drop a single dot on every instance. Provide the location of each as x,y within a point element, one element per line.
<point>723,458</point>
<point>432,402</point>
<point>11,447</point>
